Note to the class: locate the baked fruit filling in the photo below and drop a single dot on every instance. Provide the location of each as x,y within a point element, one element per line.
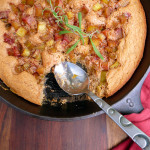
<point>72,32</point>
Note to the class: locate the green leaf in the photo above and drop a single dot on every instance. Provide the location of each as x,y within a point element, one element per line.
<point>50,2</point>
<point>65,19</point>
<point>81,37</point>
<point>75,28</point>
<point>55,14</point>
<point>73,46</point>
<point>96,50</point>
<point>64,32</point>
<point>80,19</point>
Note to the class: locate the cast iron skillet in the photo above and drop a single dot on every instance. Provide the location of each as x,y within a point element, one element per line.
<point>84,109</point>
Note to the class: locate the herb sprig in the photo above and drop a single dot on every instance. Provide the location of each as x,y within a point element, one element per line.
<point>72,28</point>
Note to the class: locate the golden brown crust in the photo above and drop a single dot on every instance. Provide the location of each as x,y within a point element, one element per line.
<point>23,84</point>
<point>130,49</point>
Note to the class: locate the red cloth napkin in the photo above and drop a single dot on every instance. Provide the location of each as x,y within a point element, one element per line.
<point>141,120</point>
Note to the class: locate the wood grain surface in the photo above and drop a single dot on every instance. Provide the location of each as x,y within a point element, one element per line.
<point>22,132</point>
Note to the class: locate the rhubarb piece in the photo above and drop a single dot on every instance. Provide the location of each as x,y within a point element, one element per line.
<point>21,32</point>
<point>26,53</point>
<point>97,7</point>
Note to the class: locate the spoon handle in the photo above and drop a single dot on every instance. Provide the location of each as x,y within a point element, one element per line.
<point>131,130</point>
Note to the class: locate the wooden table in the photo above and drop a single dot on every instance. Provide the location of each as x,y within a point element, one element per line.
<point>22,132</point>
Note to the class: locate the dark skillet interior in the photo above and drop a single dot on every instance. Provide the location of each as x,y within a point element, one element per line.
<point>80,109</point>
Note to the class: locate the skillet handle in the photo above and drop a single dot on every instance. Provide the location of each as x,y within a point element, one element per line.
<point>131,103</point>
<point>135,133</point>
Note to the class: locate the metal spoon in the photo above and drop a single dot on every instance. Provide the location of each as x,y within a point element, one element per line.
<point>74,80</point>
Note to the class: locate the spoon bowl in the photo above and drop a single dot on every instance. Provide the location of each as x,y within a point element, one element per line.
<point>74,80</point>
<point>71,78</point>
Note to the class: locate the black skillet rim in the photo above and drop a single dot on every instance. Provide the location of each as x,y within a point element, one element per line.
<point>48,118</point>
